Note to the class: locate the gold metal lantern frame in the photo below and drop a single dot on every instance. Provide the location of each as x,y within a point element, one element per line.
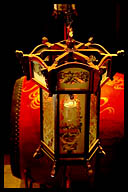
<point>69,74</point>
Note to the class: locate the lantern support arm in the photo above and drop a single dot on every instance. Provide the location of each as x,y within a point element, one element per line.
<point>38,47</point>
<point>85,59</point>
<point>96,46</point>
<point>61,45</point>
<point>20,55</point>
<point>79,45</point>
<point>53,51</point>
<point>58,59</point>
<point>81,56</point>
<point>106,57</point>
<point>89,50</point>
<point>38,59</point>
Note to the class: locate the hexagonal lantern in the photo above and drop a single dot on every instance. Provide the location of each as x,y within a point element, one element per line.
<point>69,74</point>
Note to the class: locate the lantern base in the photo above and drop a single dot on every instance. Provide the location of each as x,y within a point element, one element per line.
<point>69,161</point>
<point>69,158</point>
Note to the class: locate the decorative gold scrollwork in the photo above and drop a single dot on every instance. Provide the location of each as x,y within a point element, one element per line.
<point>33,96</point>
<point>117,83</point>
<point>103,107</point>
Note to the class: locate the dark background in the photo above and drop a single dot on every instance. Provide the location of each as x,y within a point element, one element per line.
<point>26,24</point>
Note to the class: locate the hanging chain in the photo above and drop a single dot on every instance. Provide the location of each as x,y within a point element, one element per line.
<point>69,15</point>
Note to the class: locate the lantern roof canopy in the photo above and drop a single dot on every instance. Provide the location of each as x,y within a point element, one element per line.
<point>51,57</point>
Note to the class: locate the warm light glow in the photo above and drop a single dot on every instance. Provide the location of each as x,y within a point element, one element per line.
<point>70,104</point>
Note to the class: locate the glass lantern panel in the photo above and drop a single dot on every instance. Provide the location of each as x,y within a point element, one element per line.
<point>49,119</point>
<point>73,79</point>
<point>38,76</point>
<point>72,123</point>
<point>93,120</point>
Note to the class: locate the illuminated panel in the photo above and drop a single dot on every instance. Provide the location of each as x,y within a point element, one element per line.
<point>37,74</point>
<point>73,79</point>
<point>48,119</point>
<point>105,77</point>
<point>72,123</point>
<point>93,120</point>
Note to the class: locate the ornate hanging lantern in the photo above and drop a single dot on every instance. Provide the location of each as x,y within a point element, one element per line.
<point>69,74</point>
